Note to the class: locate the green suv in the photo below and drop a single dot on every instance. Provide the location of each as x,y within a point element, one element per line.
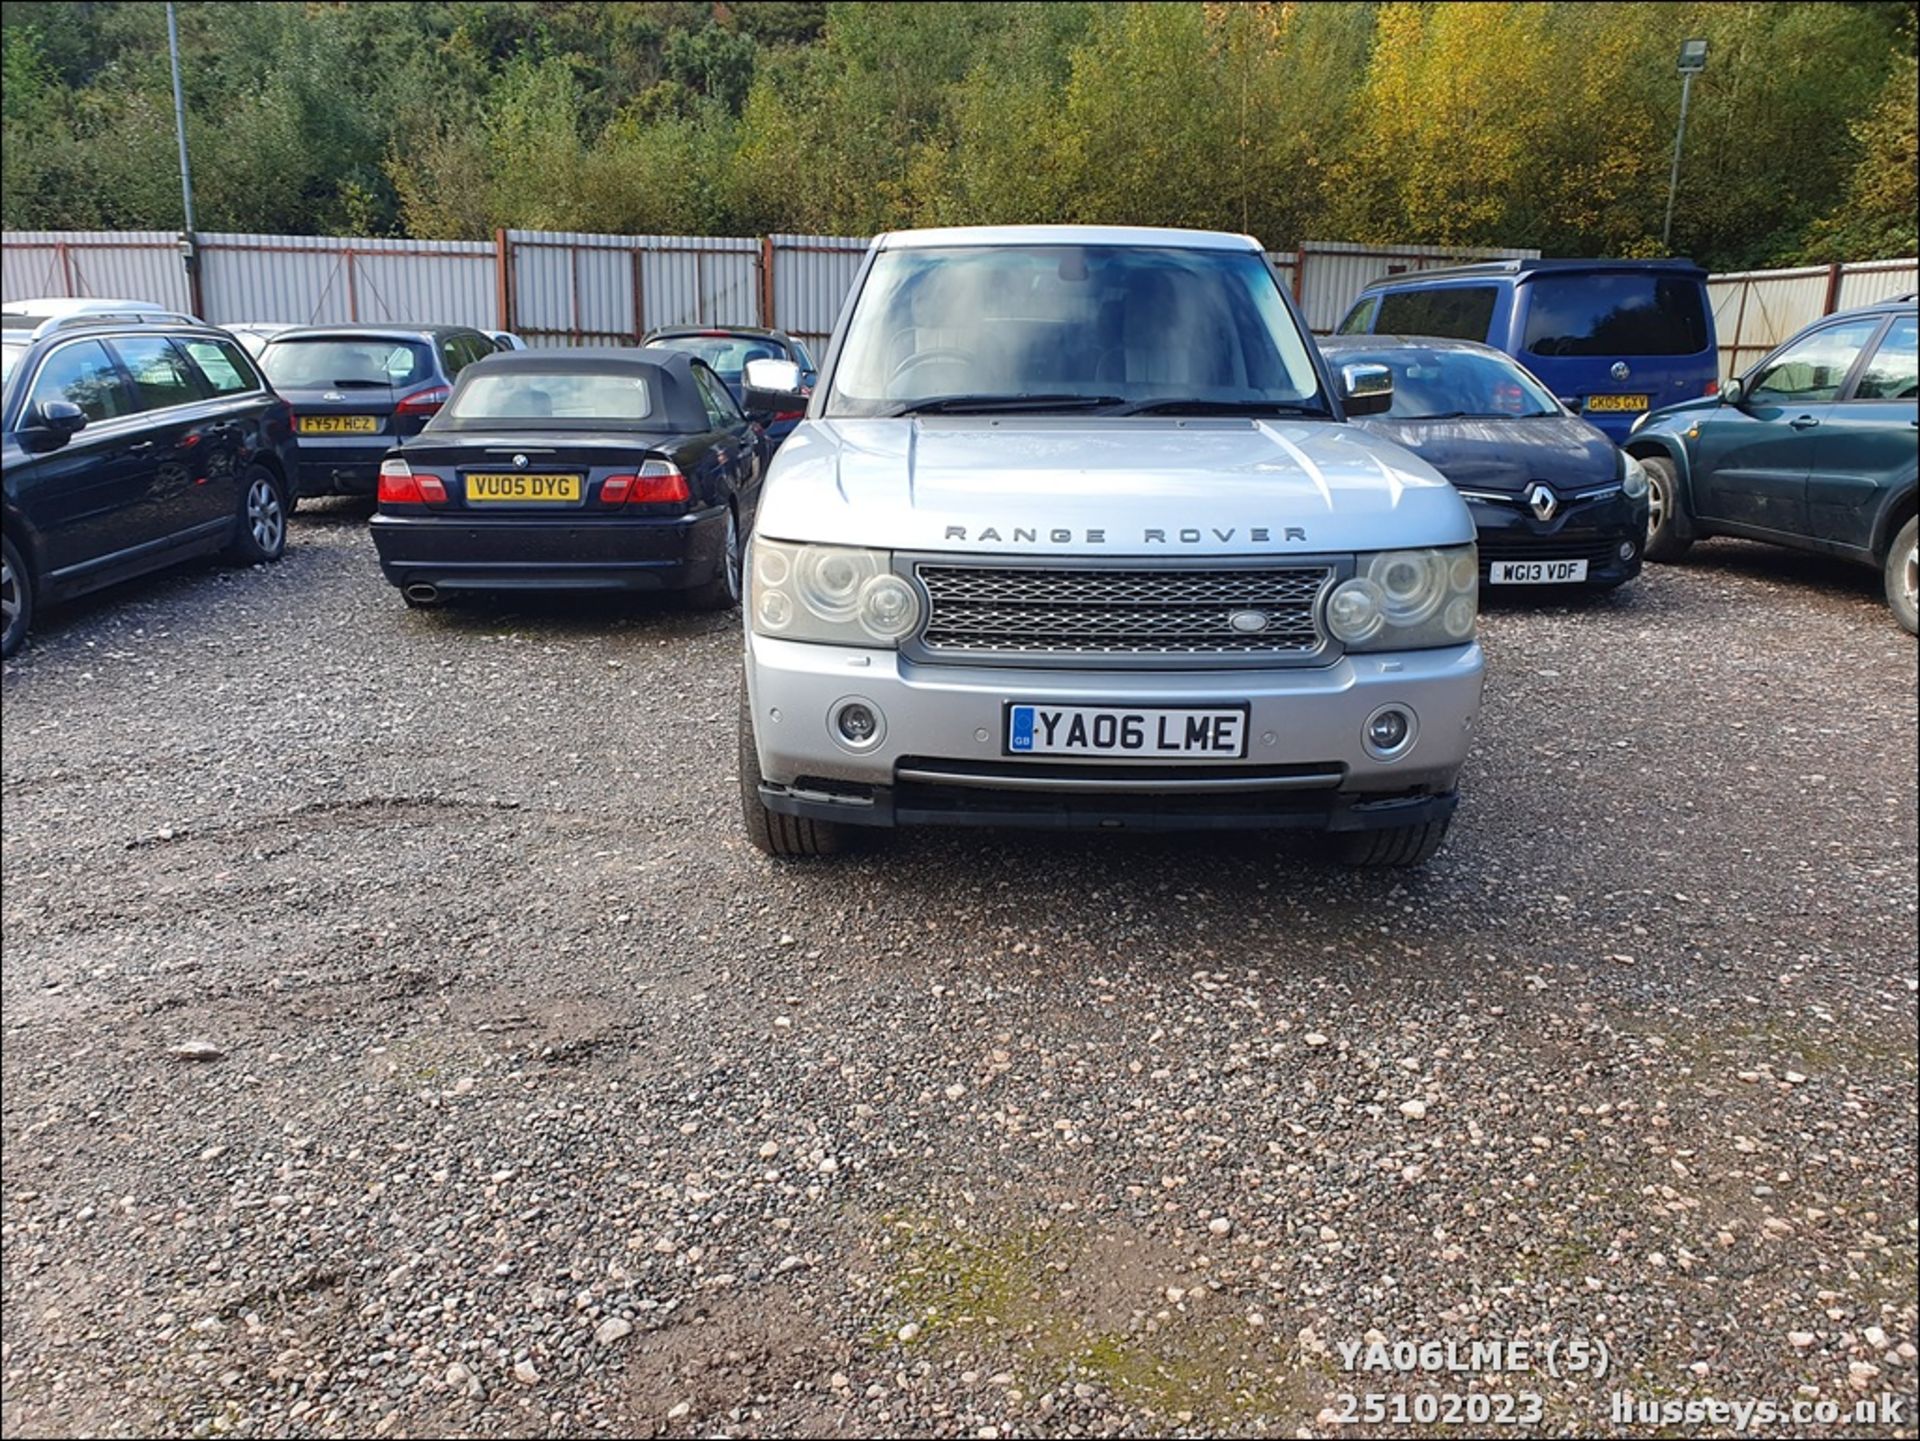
<point>1813,448</point>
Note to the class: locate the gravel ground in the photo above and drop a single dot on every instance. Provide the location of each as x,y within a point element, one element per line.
<point>401,1038</point>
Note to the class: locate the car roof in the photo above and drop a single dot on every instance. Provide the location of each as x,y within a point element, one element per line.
<point>680,402</point>
<point>1166,239</point>
<point>1878,307</point>
<point>153,322</point>
<point>375,332</point>
<point>1408,342</point>
<point>57,307</point>
<point>1528,268</point>
<point>589,357</point>
<point>683,332</point>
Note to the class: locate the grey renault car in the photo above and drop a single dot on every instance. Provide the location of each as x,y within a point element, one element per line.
<point>1075,534</point>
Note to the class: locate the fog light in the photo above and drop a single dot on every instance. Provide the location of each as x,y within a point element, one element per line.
<point>857,724</point>
<point>1626,550</point>
<point>1389,731</point>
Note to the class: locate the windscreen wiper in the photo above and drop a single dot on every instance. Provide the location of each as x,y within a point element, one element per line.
<point>993,404</point>
<point>1193,405</point>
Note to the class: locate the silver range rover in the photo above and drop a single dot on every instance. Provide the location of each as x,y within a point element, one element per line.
<point>1074,534</point>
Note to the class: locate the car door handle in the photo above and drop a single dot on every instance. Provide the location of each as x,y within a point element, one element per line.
<point>141,445</point>
<point>1803,422</point>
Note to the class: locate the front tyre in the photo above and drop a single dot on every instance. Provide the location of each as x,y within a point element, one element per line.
<point>1903,576</point>
<point>1669,535</point>
<point>1394,847</point>
<point>16,598</point>
<point>771,832</point>
<point>261,533</point>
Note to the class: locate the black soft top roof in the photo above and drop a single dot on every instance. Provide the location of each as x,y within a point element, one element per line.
<point>669,373</point>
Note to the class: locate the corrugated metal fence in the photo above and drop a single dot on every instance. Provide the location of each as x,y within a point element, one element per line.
<point>324,280</point>
<point>123,264</point>
<point>578,289</point>
<point>1755,310</point>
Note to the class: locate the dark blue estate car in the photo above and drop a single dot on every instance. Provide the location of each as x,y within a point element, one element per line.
<point>132,441</point>
<point>1554,502</point>
<point>1611,338</point>
<point>1815,448</point>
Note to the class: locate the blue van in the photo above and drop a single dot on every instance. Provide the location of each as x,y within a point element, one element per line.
<point>1612,338</point>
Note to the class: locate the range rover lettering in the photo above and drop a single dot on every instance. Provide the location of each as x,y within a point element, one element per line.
<point>1074,535</point>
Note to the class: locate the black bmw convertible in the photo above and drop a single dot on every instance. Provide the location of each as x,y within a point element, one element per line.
<point>610,470</point>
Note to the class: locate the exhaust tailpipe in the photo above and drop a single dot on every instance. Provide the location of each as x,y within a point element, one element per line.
<point>420,593</point>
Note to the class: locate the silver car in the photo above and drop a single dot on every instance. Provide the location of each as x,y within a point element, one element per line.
<point>1075,534</point>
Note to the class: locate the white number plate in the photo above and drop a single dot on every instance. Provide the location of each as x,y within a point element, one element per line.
<point>1536,572</point>
<point>1188,732</point>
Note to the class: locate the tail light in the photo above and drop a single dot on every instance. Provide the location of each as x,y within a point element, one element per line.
<point>401,485</point>
<point>657,482</point>
<point>1712,388</point>
<point>780,415</point>
<point>424,402</point>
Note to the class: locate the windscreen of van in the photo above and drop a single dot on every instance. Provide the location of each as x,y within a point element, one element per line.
<point>1619,314</point>
<point>1456,312</point>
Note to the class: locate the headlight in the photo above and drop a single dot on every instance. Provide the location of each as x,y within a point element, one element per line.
<point>1633,477</point>
<point>1639,420</point>
<point>1407,600</point>
<point>837,594</point>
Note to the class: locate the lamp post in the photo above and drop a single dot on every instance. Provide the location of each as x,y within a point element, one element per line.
<point>188,258</point>
<point>1693,59</point>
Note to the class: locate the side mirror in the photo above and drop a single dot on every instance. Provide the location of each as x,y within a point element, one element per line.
<point>55,422</point>
<point>770,386</point>
<point>1733,393</point>
<point>1366,389</point>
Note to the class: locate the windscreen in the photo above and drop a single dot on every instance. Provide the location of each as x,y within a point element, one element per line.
<point>9,359</point>
<point>1132,323</point>
<point>1454,384</point>
<point>1618,314</point>
<point>330,361</point>
<point>533,397</point>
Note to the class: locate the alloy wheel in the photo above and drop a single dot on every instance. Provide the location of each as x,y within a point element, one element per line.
<point>1912,578</point>
<point>732,561</point>
<point>266,517</point>
<point>1656,503</point>
<point>10,594</point>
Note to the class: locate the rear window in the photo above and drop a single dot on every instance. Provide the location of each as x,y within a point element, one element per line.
<point>1454,312</point>
<point>523,395</point>
<point>728,354</point>
<point>333,361</point>
<point>1619,314</point>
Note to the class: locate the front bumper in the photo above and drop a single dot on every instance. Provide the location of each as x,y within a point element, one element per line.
<point>939,759</point>
<point>1589,530</point>
<point>451,551</point>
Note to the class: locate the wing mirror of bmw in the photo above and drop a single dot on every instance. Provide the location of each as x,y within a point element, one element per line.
<point>1366,389</point>
<point>54,423</point>
<point>772,386</point>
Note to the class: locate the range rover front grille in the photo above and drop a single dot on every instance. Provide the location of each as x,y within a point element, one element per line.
<point>1124,613</point>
